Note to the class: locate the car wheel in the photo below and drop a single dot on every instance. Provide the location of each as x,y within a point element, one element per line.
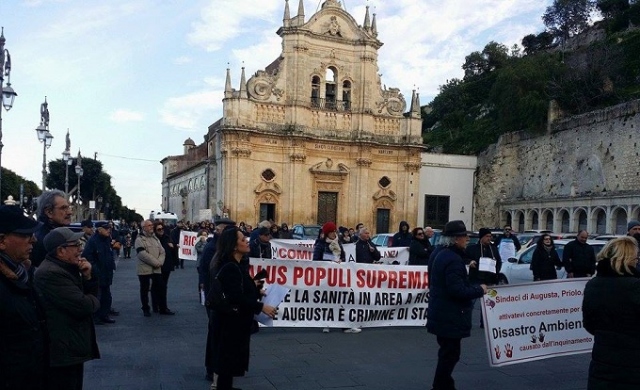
<point>502,280</point>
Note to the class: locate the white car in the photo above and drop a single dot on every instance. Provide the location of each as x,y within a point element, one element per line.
<point>517,269</point>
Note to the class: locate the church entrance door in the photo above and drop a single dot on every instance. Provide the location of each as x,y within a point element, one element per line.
<point>267,212</point>
<point>327,207</point>
<point>382,220</point>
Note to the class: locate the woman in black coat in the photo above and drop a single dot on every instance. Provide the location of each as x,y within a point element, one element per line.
<point>545,260</point>
<point>420,248</point>
<point>232,329</point>
<point>611,312</point>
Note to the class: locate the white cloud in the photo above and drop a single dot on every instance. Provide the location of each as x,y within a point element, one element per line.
<point>193,112</point>
<point>426,42</point>
<point>182,60</point>
<point>123,116</point>
<point>257,56</point>
<point>215,28</point>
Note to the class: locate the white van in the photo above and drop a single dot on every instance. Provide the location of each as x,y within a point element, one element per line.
<point>168,218</point>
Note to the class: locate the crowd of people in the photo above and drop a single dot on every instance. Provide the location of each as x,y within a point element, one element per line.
<point>55,287</point>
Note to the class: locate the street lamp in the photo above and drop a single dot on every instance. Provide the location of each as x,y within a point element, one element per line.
<point>8,94</point>
<point>66,157</point>
<point>45,137</point>
<point>79,173</point>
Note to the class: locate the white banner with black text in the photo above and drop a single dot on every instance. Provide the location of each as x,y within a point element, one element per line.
<point>534,321</point>
<point>346,295</point>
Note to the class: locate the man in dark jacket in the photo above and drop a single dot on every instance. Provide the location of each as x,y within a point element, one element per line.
<point>87,229</point>
<point>53,211</point>
<point>261,247</point>
<point>451,298</point>
<point>23,344</point>
<point>159,300</point>
<point>65,285</point>
<point>508,243</point>
<point>484,261</point>
<point>486,253</point>
<point>174,245</point>
<point>98,252</point>
<point>403,237</point>
<point>366,251</point>
<point>578,257</point>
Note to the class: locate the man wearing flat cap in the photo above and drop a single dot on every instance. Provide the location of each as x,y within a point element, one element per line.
<point>98,252</point>
<point>451,298</point>
<point>65,286</point>
<point>23,342</point>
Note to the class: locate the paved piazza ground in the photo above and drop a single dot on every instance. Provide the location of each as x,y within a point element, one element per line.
<point>167,352</point>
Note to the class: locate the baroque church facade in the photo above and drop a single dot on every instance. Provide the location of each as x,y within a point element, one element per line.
<point>313,137</point>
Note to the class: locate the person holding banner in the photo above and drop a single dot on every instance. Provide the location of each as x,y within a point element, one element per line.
<point>366,251</point>
<point>261,246</point>
<point>327,247</point>
<point>232,330</point>
<point>451,298</point>
<point>611,312</point>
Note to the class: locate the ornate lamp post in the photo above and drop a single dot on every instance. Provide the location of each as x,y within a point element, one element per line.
<point>79,173</point>
<point>45,137</point>
<point>66,157</point>
<point>8,94</point>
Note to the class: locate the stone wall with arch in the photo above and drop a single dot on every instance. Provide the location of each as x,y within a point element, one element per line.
<point>598,216</point>
<point>587,162</point>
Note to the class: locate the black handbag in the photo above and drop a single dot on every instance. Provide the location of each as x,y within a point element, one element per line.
<point>216,298</point>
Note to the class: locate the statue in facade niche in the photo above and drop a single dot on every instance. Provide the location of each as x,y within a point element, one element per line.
<point>334,27</point>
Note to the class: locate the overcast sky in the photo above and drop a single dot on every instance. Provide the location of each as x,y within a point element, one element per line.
<point>133,79</point>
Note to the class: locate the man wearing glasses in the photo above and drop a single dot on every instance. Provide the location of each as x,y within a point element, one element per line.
<point>98,252</point>
<point>68,293</point>
<point>508,244</point>
<point>53,211</point>
<point>22,331</point>
<point>151,256</point>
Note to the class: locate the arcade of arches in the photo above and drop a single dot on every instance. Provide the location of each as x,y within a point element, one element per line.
<point>595,215</point>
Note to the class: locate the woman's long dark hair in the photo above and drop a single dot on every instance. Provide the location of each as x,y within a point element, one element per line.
<point>225,246</point>
<point>540,243</point>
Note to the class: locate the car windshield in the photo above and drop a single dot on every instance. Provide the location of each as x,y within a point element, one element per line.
<point>313,231</point>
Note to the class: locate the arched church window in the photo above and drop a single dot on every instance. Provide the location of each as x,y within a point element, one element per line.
<point>346,95</point>
<point>315,91</point>
<point>330,88</point>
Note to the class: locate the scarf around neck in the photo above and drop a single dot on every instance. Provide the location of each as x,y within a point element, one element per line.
<point>17,270</point>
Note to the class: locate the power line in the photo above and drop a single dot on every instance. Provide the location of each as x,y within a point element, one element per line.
<point>123,157</point>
